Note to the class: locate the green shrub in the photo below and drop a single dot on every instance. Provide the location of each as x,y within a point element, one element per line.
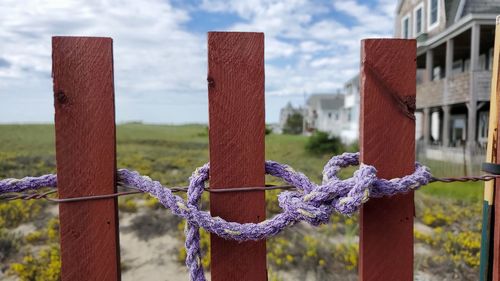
<point>46,266</point>
<point>9,244</point>
<point>34,237</point>
<point>53,229</point>
<point>352,147</point>
<point>13,213</point>
<point>269,130</point>
<point>321,143</point>
<point>127,204</point>
<point>151,202</point>
<point>203,133</point>
<point>294,124</point>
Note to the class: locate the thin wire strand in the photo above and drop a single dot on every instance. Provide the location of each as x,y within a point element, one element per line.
<point>466,179</point>
<point>47,194</point>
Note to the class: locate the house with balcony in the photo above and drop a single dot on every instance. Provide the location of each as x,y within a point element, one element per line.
<point>454,60</point>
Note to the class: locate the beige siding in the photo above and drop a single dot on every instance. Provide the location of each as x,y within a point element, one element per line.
<point>482,80</point>
<point>430,93</point>
<point>457,88</point>
<point>452,90</point>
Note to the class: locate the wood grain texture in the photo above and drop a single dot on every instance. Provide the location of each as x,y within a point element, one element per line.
<point>494,151</point>
<point>82,70</point>
<point>236,133</point>
<point>387,141</point>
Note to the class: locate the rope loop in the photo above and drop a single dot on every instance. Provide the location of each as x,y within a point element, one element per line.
<point>310,203</point>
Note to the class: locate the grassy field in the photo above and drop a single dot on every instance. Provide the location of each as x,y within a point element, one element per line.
<point>449,213</point>
<point>170,153</point>
<point>167,153</point>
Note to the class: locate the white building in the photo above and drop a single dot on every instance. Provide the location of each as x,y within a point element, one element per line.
<point>336,114</point>
<point>324,113</point>
<point>350,125</point>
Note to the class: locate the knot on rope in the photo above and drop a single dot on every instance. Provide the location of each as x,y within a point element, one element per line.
<point>297,204</point>
<point>310,203</point>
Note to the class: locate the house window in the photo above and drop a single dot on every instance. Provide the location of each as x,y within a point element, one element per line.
<point>405,27</point>
<point>433,13</point>
<point>483,127</point>
<point>418,16</point>
<point>490,59</point>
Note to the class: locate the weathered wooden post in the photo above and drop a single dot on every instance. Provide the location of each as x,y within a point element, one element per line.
<point>82,70</point>
<point>491,208</point>
<point>236,133</point>
<point>387,141</point>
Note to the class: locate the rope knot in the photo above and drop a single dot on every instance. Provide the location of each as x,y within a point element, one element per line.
<point>311,203</point>
<point>308,211</point>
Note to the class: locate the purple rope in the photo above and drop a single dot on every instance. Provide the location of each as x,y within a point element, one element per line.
<point>311,203</point>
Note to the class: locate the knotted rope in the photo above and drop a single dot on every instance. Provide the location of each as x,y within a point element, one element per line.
<point>311,203</point>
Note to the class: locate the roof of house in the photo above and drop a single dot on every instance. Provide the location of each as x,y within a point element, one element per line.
<point>332,104</point>
<point>463,8</point>
<point>481,7</point>
<point>451,8</point>
<point>326,101</point>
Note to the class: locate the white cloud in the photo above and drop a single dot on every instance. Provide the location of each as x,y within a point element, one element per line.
<point>155,58</point>
<point>370,19</point>
<point>160,65</point>
<point>312,46</point>
<point>326,50</point>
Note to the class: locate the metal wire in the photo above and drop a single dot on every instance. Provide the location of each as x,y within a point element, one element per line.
<point>129,190</point>
<point>46,195</point>
<point>466,179</point>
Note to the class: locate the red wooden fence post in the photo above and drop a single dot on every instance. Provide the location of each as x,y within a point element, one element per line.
<point>82,70</point>
<point>387,141</point>
<point>237,125</point>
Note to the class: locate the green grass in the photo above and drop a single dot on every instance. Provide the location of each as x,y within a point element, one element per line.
<point>152,149</point>
<point>170,153</point>
<point>466,191</point>
<point>27,139</point>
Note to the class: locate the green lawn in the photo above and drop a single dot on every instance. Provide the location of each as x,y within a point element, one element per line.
<point>170,153</point>
<point>468,191</point>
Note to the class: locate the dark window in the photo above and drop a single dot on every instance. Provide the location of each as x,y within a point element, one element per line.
<point>434,11</point>
<point>418,21</point>
<point>406,28</point>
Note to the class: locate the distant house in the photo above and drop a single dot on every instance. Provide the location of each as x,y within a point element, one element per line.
<point>324,113</point>
<point>336,114</point>
<point>286,112</point>
<point>454,61</point>
<point>350,125</point>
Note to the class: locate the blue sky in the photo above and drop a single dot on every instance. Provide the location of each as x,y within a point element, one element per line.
<point>160,50</point>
